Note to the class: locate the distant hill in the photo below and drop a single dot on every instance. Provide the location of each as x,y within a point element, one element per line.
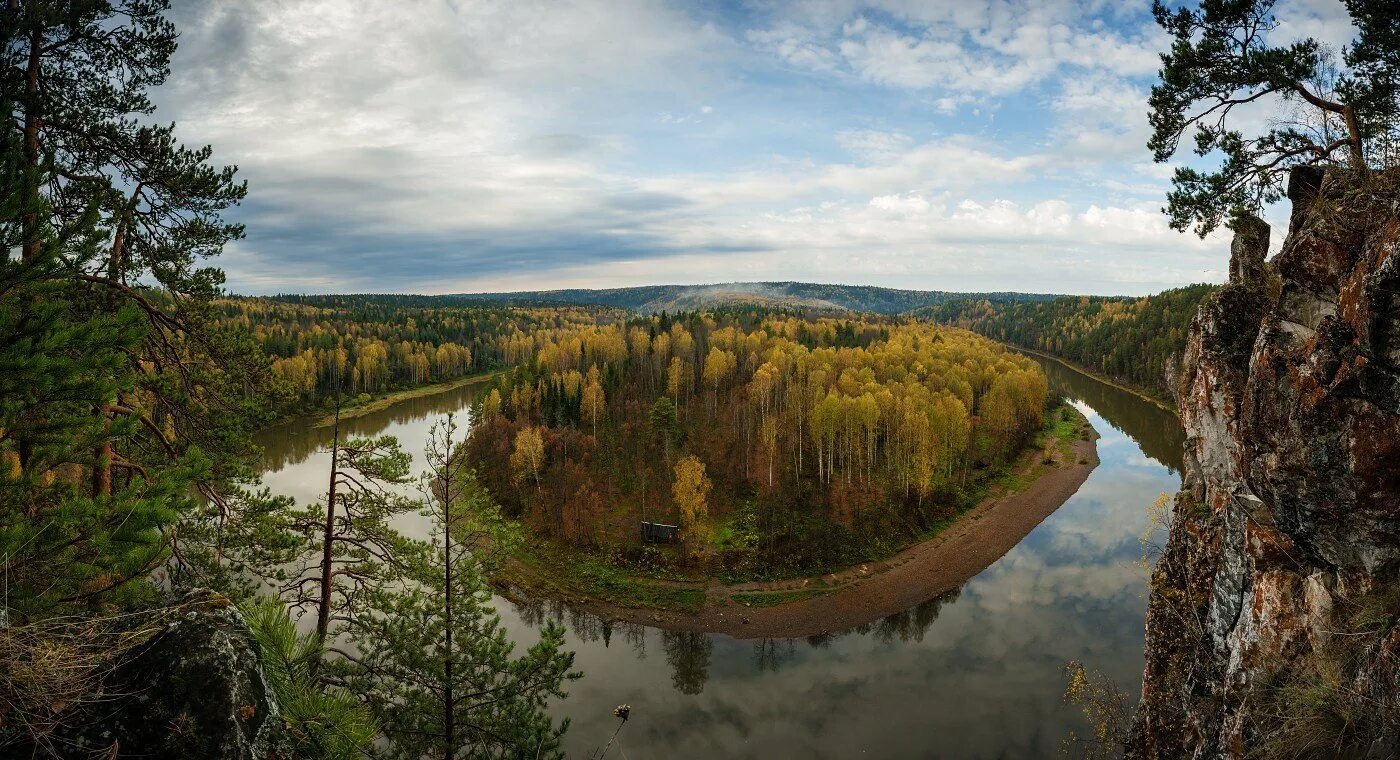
<point>815,296</point>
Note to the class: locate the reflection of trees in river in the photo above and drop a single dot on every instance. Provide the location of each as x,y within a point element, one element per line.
<point>298,439</point>
<point>689,656</point>
<point>636,637</point>
<point>913,623</point>
<point>822,640</point>
<point>1155,430</point>
<point>583,625</point>
<point>771,654</point>
<point>688,653</point>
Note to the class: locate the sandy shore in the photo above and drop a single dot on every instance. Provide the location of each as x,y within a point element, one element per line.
<point>866,593</point>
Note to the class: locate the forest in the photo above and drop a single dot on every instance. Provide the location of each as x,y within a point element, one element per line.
<point>776,442</point>
<point>324,348</point>
<point>1132,340</point>
<point>359,347</point>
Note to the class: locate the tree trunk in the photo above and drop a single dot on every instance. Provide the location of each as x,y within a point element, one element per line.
<point>30,222</point>
<point>799,446</point>
<point>102,465</point>
<point>1358,154</point>
<point>1355,149</point>
<point>323,614</point>
<point>449,708</point>
<point>118,254</point>
<point>102,469</point>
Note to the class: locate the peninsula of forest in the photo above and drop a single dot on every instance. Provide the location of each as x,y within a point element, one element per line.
<point>685,468</point>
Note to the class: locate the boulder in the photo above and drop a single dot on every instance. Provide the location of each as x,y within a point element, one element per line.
<point>196,689</point>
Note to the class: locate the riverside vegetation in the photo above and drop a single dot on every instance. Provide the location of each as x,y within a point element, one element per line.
<point>777,444</point>
<point>1135,341</point>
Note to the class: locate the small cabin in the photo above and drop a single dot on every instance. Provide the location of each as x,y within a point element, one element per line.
<point>660,533</point>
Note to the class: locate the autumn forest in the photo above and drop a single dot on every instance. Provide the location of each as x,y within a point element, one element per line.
<point>770,439</point>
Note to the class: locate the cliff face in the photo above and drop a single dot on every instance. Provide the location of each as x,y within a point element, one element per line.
<point>1271,626</point>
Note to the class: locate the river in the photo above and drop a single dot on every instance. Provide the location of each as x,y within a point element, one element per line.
<point>974,674</point>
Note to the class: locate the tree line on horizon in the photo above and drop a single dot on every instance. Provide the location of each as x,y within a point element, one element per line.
<point>355,351</point>
<point>672,298</point>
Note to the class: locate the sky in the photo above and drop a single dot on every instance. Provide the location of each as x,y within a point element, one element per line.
<point>444,146</point>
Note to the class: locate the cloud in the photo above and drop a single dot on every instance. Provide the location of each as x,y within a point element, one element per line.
<point>796,46</point>
<point>874,144</point>
<point>935,241</point>
<point>437,145</point>
<point>960,48</point>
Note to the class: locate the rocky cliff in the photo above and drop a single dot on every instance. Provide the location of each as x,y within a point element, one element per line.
<point>1271,626</point>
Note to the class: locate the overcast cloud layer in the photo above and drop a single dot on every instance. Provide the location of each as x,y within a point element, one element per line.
<point>466,145</point>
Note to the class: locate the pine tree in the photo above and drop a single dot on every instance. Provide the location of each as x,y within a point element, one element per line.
<point>61,544</point>
<point>433,660</point>
<point>1373,82</point>
<point>321,723</point>
<point>349,546</point>
<point>662,419</point>
<point>74,78</point>
<point>1223,58</point>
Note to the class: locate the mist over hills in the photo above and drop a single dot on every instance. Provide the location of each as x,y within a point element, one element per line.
<point>656,298</point>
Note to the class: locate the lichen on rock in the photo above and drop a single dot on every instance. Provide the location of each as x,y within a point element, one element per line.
<point>196,689</point>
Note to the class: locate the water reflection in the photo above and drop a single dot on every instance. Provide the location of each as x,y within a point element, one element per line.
<point>688,654</point>
<point>1154,429</point>
<point>295,441</point>
<point>975,673</point>
<point>295,463</point>
<point>770,654</point>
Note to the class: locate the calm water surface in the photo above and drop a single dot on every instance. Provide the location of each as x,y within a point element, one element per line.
<point>974,674</point>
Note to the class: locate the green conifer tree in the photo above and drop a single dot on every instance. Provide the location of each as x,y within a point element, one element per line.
<point>74,83</point>
<point>437,667</point>
<point>61,544</point>
<point>1223,58</point>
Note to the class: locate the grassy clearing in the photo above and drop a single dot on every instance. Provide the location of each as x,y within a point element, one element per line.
<point>561,573</point>
<point>1014,482</point>
<point>775,598</point>
<point>1066,424</point>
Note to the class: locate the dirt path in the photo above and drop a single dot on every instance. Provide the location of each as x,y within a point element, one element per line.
<point>866,593</point>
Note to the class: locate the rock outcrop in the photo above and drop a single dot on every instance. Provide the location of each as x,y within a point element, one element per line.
<point>1271,626</point>
<point>195,689</point>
